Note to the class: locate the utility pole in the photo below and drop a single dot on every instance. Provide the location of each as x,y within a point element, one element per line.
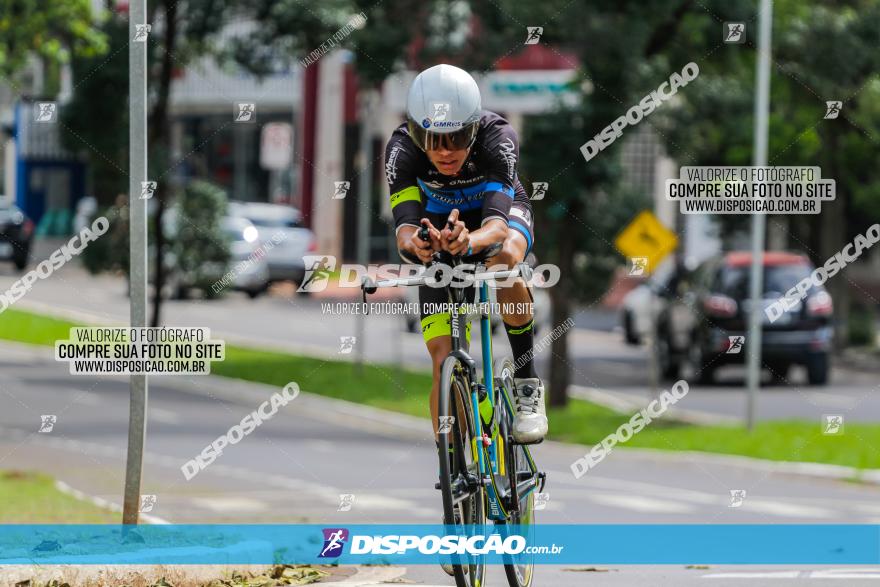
<point>137,137</point>
<point>759,221</point>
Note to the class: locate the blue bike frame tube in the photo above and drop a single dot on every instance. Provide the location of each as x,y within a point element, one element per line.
<point>486,341</point>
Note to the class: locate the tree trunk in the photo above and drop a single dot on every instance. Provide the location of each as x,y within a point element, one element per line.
<point>158,131</point>
<point>560,296</point>
<point>832,237</point>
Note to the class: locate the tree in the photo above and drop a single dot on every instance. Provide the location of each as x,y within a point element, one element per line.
<point>821,51</point>
<point>586,204</point>
<point>50,30</point>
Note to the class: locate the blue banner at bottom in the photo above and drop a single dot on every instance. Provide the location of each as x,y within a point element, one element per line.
<point>358,544</point>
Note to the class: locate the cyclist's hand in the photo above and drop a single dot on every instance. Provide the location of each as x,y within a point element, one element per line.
<point>416,246</point>
<point>456,240</point>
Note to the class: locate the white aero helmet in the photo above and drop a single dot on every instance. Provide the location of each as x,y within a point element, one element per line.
<point>443,108</point>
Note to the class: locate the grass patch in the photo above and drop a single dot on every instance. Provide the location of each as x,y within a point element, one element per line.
<point>406,391</point>
<point>31,498</point>
<point>586,423</point>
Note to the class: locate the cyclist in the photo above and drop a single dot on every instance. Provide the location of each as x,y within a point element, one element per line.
<point>452,168</point>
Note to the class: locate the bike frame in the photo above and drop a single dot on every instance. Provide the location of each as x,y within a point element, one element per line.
<point>455,295</point>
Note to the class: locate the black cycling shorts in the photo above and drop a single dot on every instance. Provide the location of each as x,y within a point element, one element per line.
<point>436,324</point>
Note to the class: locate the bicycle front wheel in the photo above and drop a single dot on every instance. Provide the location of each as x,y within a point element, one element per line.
<point>518,568</point>
<point>460,477</point>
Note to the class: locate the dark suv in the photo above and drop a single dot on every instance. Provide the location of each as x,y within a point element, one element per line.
<point>16,231</point>
<point>707,313</point>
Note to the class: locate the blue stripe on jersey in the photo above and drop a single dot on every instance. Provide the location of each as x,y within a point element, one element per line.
<point>524,230</point>
<point>444,200</point>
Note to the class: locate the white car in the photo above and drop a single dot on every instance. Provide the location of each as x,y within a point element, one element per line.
<point>281,234</point>
<point>247,269</point>
<point>636,307</point>
<point>247,263</point>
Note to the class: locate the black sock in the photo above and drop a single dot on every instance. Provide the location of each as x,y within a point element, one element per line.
<point>522,339</point>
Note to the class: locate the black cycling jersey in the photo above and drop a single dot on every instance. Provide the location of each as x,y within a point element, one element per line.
<point>486,186</point>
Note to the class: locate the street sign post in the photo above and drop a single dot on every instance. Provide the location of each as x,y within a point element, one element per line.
<point>756,278</point>
<point>137,137</point>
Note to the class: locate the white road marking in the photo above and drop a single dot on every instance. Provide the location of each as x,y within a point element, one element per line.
<point>163,416</point>
<point>326,494</point>
<point>832,400</point>
<point>641,504</point>
<point>820,574</point>
<point>785,509</point>
<point>103,503</point>
<point>227,504</point>
<point>755,575</point>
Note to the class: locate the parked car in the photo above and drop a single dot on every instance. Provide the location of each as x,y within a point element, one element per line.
<point>16,234</point>
<point>251,277</point>
<point>247,260</point>
<point>711,305</point>
<point>638,304</point>
<point>282,227</point>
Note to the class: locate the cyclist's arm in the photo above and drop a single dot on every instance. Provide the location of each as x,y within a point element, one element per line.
<point>406,198</point>
<point>501,176</point>
<point>492,231</point>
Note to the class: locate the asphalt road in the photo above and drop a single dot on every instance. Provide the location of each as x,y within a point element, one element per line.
<point>293,468</point>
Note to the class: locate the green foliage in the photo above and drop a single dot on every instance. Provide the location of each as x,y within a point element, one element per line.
<point>95,121</point>
<point>51,30</point>
<point>110,252</point>
<point>201,249</point>
<point>862,325</point>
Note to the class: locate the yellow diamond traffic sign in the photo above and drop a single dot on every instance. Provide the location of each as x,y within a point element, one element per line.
<point>646,241</point>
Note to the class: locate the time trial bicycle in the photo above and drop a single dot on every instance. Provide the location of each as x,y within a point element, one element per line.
<point>484,473</point>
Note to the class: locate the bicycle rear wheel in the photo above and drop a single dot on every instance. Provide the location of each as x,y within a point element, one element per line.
<point>460,478</point>
<point>521,505</point>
